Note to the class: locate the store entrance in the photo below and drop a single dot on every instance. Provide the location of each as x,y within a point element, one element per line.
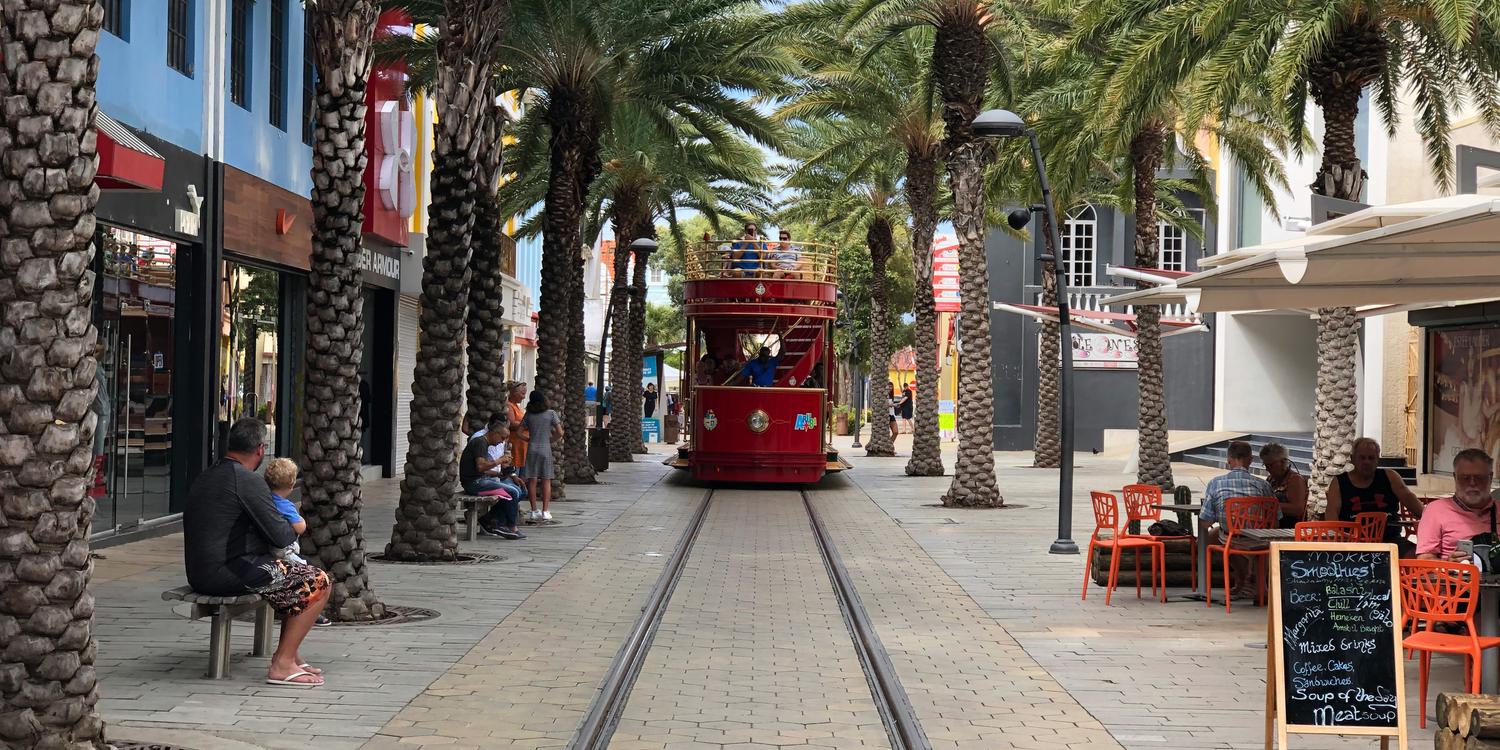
<point>136,316</point>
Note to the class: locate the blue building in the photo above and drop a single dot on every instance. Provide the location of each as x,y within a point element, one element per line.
<point>202,267</point>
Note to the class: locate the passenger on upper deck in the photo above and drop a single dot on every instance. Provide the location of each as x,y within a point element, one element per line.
<point>747,252</point>
<point>761,371</point>
<point>785,258</point>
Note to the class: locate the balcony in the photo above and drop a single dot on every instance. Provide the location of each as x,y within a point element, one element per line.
<point>715,260</point>
<point>1088,299</point>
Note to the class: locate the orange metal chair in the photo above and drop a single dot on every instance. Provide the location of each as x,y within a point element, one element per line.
<point>1371,526</point>
<point>1437,591</point>
<point>1242,513</point>
<point>1139,499</point>
<point>1107,518</point>
<point>1409,530</point>
<point>1327,531</point>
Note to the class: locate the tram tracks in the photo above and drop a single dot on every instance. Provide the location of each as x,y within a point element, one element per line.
<point>901,724</point>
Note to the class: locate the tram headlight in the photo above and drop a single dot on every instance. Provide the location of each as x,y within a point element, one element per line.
<point>759,421</point>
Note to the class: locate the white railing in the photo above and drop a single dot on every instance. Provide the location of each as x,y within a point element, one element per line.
<point>1089,298</point>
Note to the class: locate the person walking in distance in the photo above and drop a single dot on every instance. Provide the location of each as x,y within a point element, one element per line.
<point>544,427</point>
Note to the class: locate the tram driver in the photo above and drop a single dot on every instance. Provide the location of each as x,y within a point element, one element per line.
<point>761,371</point>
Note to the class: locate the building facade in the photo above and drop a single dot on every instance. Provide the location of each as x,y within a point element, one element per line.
<point>201,273</point>
<point>1095,238</point>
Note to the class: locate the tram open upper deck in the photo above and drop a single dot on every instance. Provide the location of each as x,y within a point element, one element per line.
<point>769,421</point>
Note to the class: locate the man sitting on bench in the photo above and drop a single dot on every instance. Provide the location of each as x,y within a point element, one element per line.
<point>231,532</point>
<point>481,472</point>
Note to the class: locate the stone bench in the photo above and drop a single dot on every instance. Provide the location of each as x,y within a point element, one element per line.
<point>473,506</point>
<point>223,610</point>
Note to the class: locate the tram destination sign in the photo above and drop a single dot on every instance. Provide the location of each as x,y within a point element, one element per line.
<point>1334,648</point>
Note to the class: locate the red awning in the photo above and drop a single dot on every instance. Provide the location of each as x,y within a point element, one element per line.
<point>125,161</point>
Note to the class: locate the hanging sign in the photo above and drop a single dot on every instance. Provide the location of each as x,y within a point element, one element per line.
<point>1333,655</point>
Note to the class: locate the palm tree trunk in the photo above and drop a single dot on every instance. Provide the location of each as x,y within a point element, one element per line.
<point>486,345</point>
<point>335,538</point>
<point>631,390</point>
<point>426,527</point>
<point>882,244</point>
<point>573,164</point>
<point>48,375</point>
<point>1337,79</point>
<point>621,443</point>
<point>1154,465</point>
<point>961,64</point>
<point>575,459</point>
<point>921,194</point>
<point>1047,444</point>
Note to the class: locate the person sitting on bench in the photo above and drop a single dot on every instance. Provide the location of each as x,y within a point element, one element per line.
<point>231,533</point>
<point>481,474</point>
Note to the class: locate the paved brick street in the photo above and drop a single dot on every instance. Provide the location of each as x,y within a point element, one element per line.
<point>983,627</point>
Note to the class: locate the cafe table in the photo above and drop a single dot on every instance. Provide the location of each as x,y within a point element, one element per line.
<point>1487,622</point>
<point>1196,511</point>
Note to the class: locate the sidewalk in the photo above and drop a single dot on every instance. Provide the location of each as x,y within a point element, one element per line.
<point>984,627</point>
<point>1178,675</point>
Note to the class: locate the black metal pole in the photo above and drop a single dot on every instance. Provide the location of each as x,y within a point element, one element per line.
<point>609,310</point>
<point>1064,545</point>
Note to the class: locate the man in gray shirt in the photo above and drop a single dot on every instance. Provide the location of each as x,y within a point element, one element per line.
<point>231,532</point>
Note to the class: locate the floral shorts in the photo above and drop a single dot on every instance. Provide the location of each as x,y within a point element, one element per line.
<point>293,586</point>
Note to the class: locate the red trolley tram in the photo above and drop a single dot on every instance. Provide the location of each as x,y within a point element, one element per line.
<point>749,417</point>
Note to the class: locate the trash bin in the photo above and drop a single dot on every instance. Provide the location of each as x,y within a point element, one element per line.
<point>669,429</point>
<point>599,448</point>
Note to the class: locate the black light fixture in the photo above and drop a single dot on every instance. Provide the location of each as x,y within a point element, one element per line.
<point>1000,123</point>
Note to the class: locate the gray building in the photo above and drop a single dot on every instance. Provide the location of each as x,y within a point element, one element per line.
<point>1095,238</point>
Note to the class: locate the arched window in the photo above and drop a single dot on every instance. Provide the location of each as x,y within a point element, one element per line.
<point>1171,243</point>
<point>1079,233</point>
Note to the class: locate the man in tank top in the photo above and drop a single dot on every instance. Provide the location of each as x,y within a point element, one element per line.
<point>1369,488</point>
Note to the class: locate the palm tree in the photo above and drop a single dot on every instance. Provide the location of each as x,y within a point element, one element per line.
<point>426,521</point>
<point>486,343</point>
<point>343,32</point>
<point>1330,52</point>
<point>47,373</point>
<point>581,60</point>
<point>648,173</point>
<point>890,88</point>
<point>850,191</point>
<point>969,33</point>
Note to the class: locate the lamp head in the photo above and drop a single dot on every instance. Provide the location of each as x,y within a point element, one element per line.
<point>1018,218</point>
<point>644,245</point>
<point>999,123</point>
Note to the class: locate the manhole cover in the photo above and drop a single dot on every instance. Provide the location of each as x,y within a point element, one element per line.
<point>394,615</point>
<point>464,558</point>
<point>1007,506</point>
<point>133,745</point>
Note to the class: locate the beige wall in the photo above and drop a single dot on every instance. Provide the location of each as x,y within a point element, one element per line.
<point>1408,178</point>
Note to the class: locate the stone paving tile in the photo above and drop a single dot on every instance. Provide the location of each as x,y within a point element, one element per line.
<point>1175,675</point>
<point>969,682</point>
<point>152,658</point>
<point>529,681</point>
<point>753,650</point>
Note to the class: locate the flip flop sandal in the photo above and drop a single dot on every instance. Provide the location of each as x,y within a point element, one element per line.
<point>291,680</point>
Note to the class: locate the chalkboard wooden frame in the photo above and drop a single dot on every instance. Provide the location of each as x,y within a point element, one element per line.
<point>1276,661</point>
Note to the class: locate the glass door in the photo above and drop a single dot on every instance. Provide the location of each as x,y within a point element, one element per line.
<point>137,358</point>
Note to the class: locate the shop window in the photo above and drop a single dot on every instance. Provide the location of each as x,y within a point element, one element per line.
<point>250,348</point>
<point>309,85</point>
<point>136,314</point>
<point>1171,241</point>
<point>179,36</point>
<point>278,64</point>
<point>1079,233</point>
<point>116,16</point>
<point>239,52</point>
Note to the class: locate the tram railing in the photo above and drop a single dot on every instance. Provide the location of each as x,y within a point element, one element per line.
<point>761,259</point>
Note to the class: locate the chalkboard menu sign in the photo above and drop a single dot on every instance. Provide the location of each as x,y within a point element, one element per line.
<point>1335,640</point>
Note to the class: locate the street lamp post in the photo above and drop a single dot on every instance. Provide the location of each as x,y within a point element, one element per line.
<point>999,123</point>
